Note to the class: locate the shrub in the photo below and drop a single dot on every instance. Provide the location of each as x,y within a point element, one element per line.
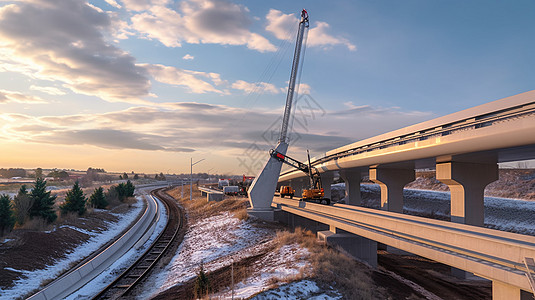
<point>202,284</point>
<point>22,203</point>
<point>7,220</point>
<point>74,200</point>
<point>43,202</point>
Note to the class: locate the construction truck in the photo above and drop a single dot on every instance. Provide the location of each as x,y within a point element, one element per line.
<point>286,190</point>
<point>313,194</point>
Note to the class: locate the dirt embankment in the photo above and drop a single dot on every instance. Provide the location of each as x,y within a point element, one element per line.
<point>29,250</point>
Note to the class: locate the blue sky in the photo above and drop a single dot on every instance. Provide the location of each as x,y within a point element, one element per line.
<point>144,85</point>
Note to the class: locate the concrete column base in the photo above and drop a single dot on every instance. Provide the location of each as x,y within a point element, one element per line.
<point>504,291</point>
<point>214,197</point>
<point>264,214</point>
<point>358,247</point>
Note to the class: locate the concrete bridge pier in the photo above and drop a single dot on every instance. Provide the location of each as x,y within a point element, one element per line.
<point>352,181</point>
<point>299,185</point>
<point>391,182</point>
<point>467,182</point>
<point>326,181</point>
<point>358,247</point>
<point>504,291</point>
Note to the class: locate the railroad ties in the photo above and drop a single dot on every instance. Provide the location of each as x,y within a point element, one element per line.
<point>129,279</point>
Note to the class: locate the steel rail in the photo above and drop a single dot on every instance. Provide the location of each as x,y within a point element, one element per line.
<point>132,277</point>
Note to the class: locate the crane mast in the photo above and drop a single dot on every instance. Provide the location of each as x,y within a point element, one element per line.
<point>263,186</point>
<point>303,24</point>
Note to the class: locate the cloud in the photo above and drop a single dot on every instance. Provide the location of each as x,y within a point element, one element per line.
<point>189,79</point>
<point>257,87</point>
<point>197,21</point>
<point>188,57</point>
<point>63,40</point>
<point>302,88</point>
<point>109,138</point>
<point>9,96</point>
<point>48,90</point>
<point>318,36</point>
<point>113,3</point>
<point>221,130</point>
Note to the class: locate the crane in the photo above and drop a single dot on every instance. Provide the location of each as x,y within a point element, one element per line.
<point>263,187</point>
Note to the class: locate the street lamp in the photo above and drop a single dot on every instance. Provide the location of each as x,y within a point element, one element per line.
<point>191,177</point>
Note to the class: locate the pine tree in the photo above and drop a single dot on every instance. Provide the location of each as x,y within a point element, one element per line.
<point>7,220</point>
<point>97,199</point>
<point>130,188</point>
<point>22,203</point>
<point>74,200</point>
<point>43,202</point>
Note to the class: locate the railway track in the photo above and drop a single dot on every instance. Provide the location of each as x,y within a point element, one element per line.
<point>123,286</point>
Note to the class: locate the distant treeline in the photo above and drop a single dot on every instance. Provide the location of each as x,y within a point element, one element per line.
<point>12,172</point>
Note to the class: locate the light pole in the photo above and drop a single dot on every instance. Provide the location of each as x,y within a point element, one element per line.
<point>191,177</point>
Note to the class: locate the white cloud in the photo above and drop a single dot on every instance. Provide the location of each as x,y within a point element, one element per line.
<point>257,87</point>
<point>318,36</point>
<point>198,21</point>
<point>139,5</point>
<point>64,41</point>
<point>188,57</point>
<point>279,23</point>
<point>302,88</point>
<point>49,90</point>
<point>186,78</point>
<point>9,96</point>
<point>113,3</point>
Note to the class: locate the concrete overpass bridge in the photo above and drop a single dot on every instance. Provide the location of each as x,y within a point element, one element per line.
<point>464,148</point>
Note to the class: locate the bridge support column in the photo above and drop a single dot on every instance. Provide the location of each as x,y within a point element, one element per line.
<point>391,182</point>
<point>356,246</point>
<point>326,181</point>
<point>298,185</point>
<point>504,291</point>
<point>467,182</point>
<point>352,181</point>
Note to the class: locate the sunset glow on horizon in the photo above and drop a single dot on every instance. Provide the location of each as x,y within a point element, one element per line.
<point>145,86</point>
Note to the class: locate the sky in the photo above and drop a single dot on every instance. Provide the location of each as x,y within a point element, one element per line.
<point>149,85</point>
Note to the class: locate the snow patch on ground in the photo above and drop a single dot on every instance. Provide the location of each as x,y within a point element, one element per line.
<point>506,214</point>
<point>32,280</point>
<point>304,289</point>
<point>217,242</point>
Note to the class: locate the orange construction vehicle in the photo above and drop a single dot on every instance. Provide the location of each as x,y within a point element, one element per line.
<point>315,193</point>
<point>286,190</point>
